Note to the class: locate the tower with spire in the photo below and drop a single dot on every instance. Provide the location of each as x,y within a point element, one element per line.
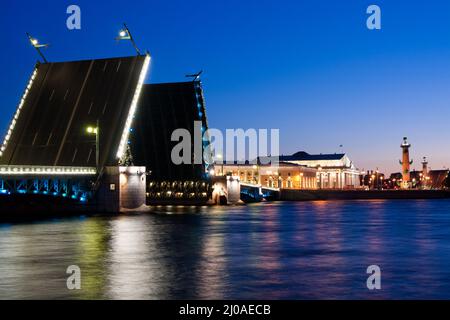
<point>425,173</point>
<point>406,164</point>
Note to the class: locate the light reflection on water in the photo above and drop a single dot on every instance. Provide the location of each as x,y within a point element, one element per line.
<point>298,250</point>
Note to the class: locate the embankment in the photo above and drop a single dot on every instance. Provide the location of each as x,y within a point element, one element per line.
<point>308,195</point>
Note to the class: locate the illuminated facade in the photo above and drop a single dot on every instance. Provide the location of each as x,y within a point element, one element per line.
<point>284,175</point>
<point>334,171</point>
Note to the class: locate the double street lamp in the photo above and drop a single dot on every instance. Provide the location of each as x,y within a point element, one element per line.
<point>124,34</point>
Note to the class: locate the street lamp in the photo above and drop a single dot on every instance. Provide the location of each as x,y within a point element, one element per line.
<point>91,130</point>
<point>35,43</point>
<point>125,34</point>
<point>96,131</point>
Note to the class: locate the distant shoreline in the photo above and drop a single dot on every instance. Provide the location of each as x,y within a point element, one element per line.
<point>311,195</point>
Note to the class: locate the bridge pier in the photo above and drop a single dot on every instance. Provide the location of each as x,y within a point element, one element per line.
<point>121,189</point>
<point>226,190</point>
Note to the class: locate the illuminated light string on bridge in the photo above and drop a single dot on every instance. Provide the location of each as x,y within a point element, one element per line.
<point>126,131</point>
<point>17,114</point>
<point>44,170</point>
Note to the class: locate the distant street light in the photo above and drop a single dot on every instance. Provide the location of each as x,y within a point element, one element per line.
<point>96,131</point>
<point>125,34</point>
<point>35,43</point>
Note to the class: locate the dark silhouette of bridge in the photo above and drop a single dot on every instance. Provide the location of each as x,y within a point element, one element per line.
<point>73,120</point>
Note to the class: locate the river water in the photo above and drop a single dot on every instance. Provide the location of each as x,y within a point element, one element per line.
<point>278,250</point>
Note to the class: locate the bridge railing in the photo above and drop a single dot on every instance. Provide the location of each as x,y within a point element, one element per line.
<point>70,182</point>
<point>8,170</point>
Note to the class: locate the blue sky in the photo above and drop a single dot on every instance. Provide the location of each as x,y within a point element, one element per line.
<point>310,68</point>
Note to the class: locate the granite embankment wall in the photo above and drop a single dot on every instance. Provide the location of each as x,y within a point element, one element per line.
<point>307,195</point>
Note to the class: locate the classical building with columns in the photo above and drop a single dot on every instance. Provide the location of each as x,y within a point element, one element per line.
<point>298,171</point>
<point>334,171</point>
<point>281,175</point>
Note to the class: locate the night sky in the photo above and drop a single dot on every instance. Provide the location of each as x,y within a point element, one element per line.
<point>310,68</point>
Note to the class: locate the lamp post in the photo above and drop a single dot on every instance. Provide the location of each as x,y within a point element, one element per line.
<point>96,131</point>
<point>125,34</point>
<point>35,43</point>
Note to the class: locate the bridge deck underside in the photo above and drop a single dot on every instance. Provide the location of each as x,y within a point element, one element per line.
<point>74,187</point>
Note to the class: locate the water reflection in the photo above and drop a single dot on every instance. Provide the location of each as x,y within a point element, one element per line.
<point>92,250</point>
<point>262,251</point>
<point>135,269</point>
<point>211,272</point>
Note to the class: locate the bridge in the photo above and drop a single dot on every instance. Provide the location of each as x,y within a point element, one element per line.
<point>256,192</point>
<point>72,121</point>
<point>80,126</point>
<point>73,182</point>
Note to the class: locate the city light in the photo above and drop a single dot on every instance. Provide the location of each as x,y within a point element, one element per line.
<point>123,34</point>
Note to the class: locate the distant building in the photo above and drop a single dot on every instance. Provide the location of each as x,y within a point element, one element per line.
<point>374,180</point>
<point>285,175</point>
<point>434,179</point>
<point>299,171</point>
<point>334,171</point>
